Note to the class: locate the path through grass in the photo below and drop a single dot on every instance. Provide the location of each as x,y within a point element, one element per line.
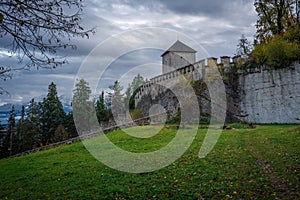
<point>261,163</point>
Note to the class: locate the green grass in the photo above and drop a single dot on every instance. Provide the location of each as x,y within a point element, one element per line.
<point>261,163</point>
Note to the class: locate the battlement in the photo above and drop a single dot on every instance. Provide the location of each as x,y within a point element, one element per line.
<point>254,94</point>
<point>195,70</point>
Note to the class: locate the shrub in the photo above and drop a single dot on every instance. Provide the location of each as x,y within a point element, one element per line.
<point>60,134</point>
<point>174,120</point>
<point>136,114</point>
<point>277,53</point>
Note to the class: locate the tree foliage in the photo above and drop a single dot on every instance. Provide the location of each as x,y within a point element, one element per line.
<point>278,53</point>
<point>274,18</point>
<point>116,97</point>
<point>2,140</point>
<point>53,114</point>
<point>102,111</point>
<point>244,47</point>
<point>70,126</point>
<point>278,33</point>
<point>41,123</point>
<point>136,114</point>
<point>30,136</point>
<point>60,134</point>
<point>83,107</point>
<point>131,91</point>
<point>8,136</point>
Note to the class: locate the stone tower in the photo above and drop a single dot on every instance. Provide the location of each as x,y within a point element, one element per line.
<point>177,56</point>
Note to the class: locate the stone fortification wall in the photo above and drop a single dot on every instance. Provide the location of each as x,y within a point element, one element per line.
<point>253,95</point>
<point>271,96</point>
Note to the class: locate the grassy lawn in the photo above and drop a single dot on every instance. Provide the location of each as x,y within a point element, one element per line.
<point>261,163</point>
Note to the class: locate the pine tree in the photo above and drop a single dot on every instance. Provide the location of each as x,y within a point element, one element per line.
<point>7,149</point>
<point>53,114</point>
<point>137,82</point>
<point>83,108</point>
<point>22,114</point>
<point>19,132</point>
<point>3,134</point>
<point>116,96</point>
<point>127,97</point>
<point>244,47</point>
<point>132,90</point>
<point>29,132</point>
<point>70,126</point>
<point>101,111</point>
<point>33,113</point>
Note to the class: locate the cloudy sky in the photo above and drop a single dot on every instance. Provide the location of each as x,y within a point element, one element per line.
<point>130,37</point>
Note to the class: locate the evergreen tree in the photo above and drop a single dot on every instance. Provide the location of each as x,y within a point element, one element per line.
<point>127,97</point>
<point>53,114</point>
<point>83,108</point>
<point>22,114</point>
<point>31,136</point>
<point>132,90</point>
<point>101,111</point>
<point>137,82</point>
<point>3,134</point>
<point>70,126</point>
<point>19,132</point>
<point>244,47</point>
<point>33,114</point>
<point>7,148</point>
<point>29,133</point>
<point>116,96</point>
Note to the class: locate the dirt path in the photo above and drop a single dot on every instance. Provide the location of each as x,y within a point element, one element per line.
<point>277,183</point>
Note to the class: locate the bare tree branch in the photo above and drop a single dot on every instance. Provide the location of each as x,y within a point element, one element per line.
<point>38,28</point>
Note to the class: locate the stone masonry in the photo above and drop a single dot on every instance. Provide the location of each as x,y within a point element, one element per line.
<point>253,96</point>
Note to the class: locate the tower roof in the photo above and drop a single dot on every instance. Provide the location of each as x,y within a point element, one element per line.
<point>179,46</point>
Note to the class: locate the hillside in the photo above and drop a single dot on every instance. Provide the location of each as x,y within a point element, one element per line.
<point>261,163</point>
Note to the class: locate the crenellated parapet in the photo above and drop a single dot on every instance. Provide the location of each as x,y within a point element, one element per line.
<point>158,84</point>
<point>253,94</point>
<point>196,71</point>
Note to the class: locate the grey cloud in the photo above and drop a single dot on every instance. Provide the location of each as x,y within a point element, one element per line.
<point>217,25</point>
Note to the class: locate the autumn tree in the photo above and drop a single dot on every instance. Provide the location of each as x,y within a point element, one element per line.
<point>60,134</point>
<point>35,30</point>
<point>274,17</point>
<point>278,33</point>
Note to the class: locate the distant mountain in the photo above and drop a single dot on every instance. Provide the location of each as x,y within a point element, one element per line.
<point>5,111</point>
<point>6,108</point>
<point>66,102</point>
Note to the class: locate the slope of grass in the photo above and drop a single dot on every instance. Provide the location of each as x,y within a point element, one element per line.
<point>261,163</point>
